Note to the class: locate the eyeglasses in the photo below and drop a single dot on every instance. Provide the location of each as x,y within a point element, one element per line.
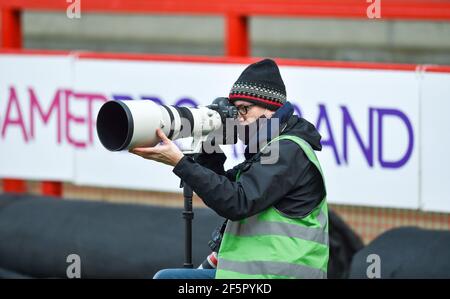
<point>243,109</point>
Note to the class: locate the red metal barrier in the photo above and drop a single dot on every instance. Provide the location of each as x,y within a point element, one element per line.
<point>11,29</point>
<point>14,186</point>
<point>391,9</point>
<point>236,14</point>
<point>52,188</point>
<point>237,36</point>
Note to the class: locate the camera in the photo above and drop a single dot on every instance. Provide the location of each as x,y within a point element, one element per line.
<point>122,125</point>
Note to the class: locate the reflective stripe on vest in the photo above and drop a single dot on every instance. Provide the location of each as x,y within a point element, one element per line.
<point>273,245</point>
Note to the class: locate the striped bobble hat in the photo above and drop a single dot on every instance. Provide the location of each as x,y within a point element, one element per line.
<point>260,83</point>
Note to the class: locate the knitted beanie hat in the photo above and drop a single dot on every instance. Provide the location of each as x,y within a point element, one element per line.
<point>260,83</point>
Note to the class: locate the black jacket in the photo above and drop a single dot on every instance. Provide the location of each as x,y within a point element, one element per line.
<point>293,185</point>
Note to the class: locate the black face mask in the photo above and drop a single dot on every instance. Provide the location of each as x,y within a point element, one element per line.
<point>250,131</point>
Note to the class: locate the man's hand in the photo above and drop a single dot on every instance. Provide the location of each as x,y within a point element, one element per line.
<point>167,152</point>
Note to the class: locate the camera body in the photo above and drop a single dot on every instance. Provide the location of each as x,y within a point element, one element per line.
<point>225,109</point>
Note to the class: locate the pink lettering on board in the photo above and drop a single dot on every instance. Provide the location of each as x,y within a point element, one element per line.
<point>45,116</point>
<point>14,106</point>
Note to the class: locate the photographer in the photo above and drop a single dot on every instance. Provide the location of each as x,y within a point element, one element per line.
<point>277,212</point>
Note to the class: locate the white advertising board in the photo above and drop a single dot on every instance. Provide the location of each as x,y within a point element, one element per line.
<point>382,130</point>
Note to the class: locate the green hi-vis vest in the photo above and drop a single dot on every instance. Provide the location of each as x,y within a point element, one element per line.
<point>273,245</point>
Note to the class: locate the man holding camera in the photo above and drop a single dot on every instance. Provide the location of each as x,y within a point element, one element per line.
<point>277,216</point>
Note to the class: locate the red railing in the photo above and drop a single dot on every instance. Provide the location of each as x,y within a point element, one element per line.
<point>236,14</point>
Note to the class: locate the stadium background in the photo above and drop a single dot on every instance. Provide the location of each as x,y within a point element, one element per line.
<point>412,32</point>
